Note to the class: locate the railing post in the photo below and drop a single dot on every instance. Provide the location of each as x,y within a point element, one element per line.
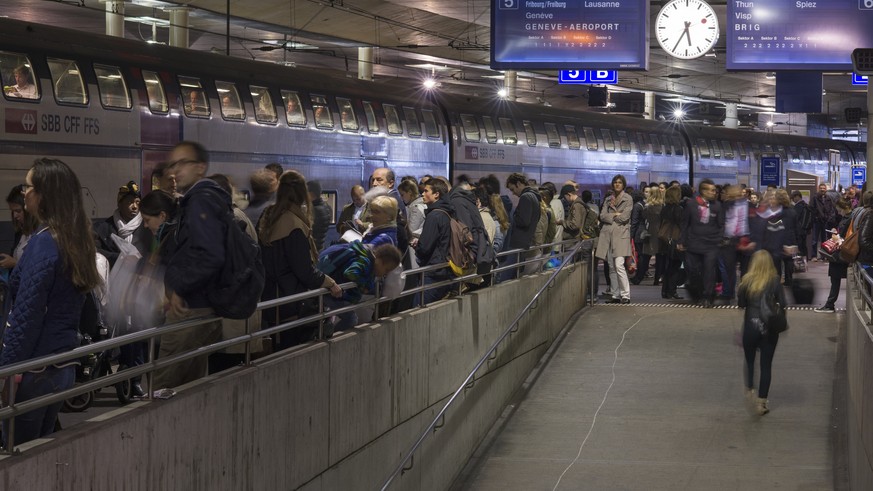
<point>10,398</point>
<point>321,320</point>
<point>421,301</point>
<point>248,355</point>
<point>150,375</point>
<point>592,267</point>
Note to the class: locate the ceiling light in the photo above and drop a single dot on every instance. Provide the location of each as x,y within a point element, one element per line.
<point>152,21</point>
<point>678,113</point>
<point>502,93</point>
<point>770,123</point>
<point>429,83</point>
<point>431,67</point>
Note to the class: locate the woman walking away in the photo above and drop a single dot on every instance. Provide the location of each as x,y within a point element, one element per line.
<point>760,280</point>
<point>48,288</point>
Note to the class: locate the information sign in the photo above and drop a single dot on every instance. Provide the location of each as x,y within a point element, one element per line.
<point>587,77</point>
<point>565,34</point>
<point>859,176</point>
<point>859,79</point>
<point>771,171</point>
<point>775,35</point>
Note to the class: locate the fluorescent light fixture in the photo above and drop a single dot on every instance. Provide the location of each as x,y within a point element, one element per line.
<point>429,83</point>
<point>148,20</point>
<point>678,113</point>
<point>431,67</point>
<point>502,93</point>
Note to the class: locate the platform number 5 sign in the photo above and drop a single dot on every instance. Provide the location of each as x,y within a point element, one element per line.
<point>513,4</point>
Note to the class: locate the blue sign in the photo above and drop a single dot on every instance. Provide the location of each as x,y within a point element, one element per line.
<point>587,77</point>
<point>776,35</point>
<point>859,79</point>
<point>562,34</point>
<point>771,171</point>
<point>859,176</point>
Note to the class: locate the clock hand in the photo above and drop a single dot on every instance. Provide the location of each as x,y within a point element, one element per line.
<point>682,36</point>
<point>688,32</point>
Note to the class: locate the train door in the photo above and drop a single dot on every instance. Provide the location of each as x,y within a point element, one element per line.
<point>833,168</point>
<point>533,172</point>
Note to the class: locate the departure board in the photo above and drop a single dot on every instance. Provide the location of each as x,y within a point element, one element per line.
<point>797,35</point>
<point>571,34</point>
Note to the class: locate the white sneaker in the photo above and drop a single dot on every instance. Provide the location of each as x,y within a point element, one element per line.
<point>825,310</point>
<point>761,406</point>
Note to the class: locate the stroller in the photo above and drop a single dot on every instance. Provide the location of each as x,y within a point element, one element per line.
<point>91,330</point>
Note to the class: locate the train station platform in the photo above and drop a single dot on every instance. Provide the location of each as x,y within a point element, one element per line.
<point>641,396</point>
<point>651,397</point>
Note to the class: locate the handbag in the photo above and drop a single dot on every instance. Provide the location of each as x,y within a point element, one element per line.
<point>773,313</point>
<point>851,244</point>
<point>799,264</point>
<point>667,231</point>
<point>630,263</point>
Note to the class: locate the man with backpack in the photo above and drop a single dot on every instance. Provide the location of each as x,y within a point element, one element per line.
<point>195,264</point>
<point>433,244</point>
<point>464,202</point>
<point>824,216</point>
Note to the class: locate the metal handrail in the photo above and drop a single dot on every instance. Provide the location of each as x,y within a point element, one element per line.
<point>865,283</point>
<point>511,328</point>
<point>150,334</point>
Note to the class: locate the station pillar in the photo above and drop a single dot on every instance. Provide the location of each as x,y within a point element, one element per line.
<point>510,80</point>
<point>649,105</point>
<point>365,63</point>
<point>730,115</point>
<point>115,18</point>
<point>869,119</point>
<point>179,26</point>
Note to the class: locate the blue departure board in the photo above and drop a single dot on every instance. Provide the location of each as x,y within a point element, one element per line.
<point>570,34</point>
<point>797,35</point>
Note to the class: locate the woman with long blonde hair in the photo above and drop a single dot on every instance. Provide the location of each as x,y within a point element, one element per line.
<point>761,279</point>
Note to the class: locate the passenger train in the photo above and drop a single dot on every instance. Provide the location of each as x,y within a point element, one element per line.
<point>112,108</point>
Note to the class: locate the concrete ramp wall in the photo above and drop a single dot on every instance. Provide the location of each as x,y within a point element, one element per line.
<point>333,415</point>
<point>859,365</point>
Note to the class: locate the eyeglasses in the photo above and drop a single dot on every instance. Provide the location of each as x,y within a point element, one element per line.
<point>25,187</point>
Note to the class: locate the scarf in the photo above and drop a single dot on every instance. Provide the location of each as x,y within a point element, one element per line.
<point>289,221</point>
<point>736,222</point>
<point>702,210</point>
<point>126,230</point>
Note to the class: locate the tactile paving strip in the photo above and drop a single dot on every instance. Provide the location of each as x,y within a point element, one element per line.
<point>806,308</point>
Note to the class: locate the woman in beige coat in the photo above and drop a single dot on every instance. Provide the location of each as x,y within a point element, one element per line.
<point>614,244</point>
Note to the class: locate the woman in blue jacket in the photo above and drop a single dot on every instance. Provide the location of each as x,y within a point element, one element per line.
<point>48,289</point>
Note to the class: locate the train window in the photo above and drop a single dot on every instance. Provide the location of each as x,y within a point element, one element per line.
<point>155,91</point>
<point>265,111</point>
<point>678,145</point>
<point>112,87</point>
<point>348,118</point>
<point>716,151</point>
<point>293,108</point>
<point>781,150</point>
<point>553,136</point>
<point>16,73</point>
<point>471,127</point>
<point>490,130</point>
<point>792,153</point>
<point>804,152</point>
<point>193,97</point>
<point>727,149</point>
<point>657,149</point>
<point>67,81</point>
<point>430,125</point>
<point>608,142</point>
<point>768,148</point>
<point>510,134</point>
<point>643,143</point>
<point>413,124</point>
<point>320,112</point>
<point>572,137</point>
<point>529,133</point>
<point>814,153</point>
<point>370,114</point>
<point>231,105</point>
<point>703,148</point>
<point>590,138</point>
<point>394,126</point>
<point>742,148</point>
<point>623,141</point>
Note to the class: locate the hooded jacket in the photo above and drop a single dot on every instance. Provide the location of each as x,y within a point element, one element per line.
<point>525,218</point>
<point>433,244</point>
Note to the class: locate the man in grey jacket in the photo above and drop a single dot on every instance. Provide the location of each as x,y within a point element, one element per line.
<point>525,218</point>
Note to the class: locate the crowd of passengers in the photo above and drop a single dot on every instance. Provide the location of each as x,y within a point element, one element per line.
<point>152,262</point>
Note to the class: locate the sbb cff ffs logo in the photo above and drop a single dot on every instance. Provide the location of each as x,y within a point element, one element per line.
<point>865,4</point>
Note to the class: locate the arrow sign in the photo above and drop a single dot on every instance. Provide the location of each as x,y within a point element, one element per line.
<point>588,77</point>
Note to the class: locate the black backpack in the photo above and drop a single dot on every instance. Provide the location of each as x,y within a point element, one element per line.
<point>804,217</point>
<point>237,290</point>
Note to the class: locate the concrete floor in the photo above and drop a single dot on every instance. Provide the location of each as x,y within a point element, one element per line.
<point>650,397</point>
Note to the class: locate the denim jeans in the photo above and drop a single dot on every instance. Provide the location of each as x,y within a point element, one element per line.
<point>433,294</point>
<point>39,422</point>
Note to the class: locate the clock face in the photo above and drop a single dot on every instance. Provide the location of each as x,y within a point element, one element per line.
<point>686,29</point>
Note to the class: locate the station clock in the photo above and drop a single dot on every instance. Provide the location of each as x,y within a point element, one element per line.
<point>687,29</point>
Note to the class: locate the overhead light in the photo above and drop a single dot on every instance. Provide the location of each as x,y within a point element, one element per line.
<point>431,67</point>
<point>770,123</point>
<point>429,83</point>
<point>770,75</point>
<point>502,93</point>
<point>678,113</point>
<point>152,21</point>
